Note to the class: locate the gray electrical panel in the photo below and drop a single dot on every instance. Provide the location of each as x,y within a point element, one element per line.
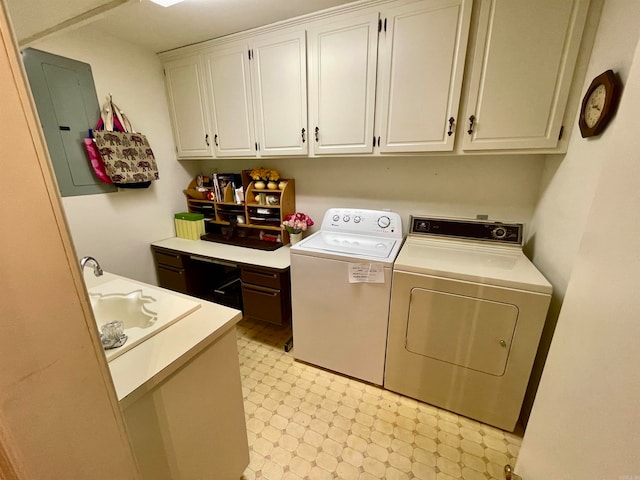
<point>67,105</point>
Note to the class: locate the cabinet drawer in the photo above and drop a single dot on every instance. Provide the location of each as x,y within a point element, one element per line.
<point>263,278</point>
<point>168,257</point>
<point>172,278</point>
<point>262,303</point>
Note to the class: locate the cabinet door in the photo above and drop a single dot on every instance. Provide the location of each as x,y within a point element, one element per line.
<point>421,63</point>
<point>229,88</point>
<point>279,78</point>
<point>187,107</point>
<point>342,79</point>
<point>521,74</point>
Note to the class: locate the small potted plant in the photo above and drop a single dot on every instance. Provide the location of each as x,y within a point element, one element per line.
<point>295,224</point>
<point>272,176</point>
<point>259,175</point>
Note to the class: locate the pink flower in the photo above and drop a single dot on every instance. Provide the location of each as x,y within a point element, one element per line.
<point>297,222</point>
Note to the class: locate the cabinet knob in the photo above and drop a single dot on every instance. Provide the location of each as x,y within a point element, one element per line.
<point>303,135</point>
<point>472,119</point>
<point>503,344</point>
<point>215,139</point>
<point>317,134</point>
<point>206,139</point>
<point>452,121</point>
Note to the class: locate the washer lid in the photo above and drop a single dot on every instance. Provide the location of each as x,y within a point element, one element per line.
<point>502,266</point>
<point>349,245</point>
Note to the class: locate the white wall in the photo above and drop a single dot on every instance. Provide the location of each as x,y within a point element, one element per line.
<point>504,186</point>
<point>585,420</point>
<point>569,182</point>
<point>117,228</point>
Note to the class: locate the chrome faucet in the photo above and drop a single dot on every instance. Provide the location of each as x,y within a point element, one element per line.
<point>97,270</point>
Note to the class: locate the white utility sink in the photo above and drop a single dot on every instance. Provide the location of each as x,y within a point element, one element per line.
<point>144,310</point>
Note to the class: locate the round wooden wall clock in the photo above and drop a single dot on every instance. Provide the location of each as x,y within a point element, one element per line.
<point>599,104</point>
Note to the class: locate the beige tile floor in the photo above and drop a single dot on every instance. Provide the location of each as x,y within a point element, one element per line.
<point>307,423</point>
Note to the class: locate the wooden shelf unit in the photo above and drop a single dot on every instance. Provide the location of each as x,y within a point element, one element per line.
<point>264,210</point>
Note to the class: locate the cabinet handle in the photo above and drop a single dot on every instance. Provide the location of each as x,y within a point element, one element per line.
<point>261,290</point>
<point>303,136</point>
<point>262,274</point>
<point>179,271</point>
<point>451,122</point>
<point>211,260</point>
<point>215,139</point>
<point>317,134</point>
<point>170,255</point>
<point>206,139</point>
<point>471,120</point>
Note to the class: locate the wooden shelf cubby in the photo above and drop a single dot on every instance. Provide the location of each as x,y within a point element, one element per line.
<point>263,210</point>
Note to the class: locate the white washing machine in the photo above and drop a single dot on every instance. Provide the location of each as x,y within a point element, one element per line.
<point>467,312</point>
<point>340,291</point>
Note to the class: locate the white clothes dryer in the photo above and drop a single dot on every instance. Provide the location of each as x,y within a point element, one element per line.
<point>340,291</point>
<point>467,311</point>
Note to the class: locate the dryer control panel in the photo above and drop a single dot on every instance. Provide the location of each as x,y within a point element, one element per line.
<point>482,230</point>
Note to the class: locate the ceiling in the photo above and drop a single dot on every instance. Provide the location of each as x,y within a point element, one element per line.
<point>152,26</point>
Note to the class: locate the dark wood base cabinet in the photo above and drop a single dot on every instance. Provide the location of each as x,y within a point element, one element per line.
<point>260,292</point>
<point>266,293</point>
<point>171,270</point>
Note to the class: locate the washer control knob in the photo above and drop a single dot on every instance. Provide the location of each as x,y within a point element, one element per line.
<point>346,218</point>
<point>499,233</point>
<point>336,218</point>
<point>357,219</point>
<point>384,222</point>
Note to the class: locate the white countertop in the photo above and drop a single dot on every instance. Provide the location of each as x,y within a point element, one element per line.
<point>272,259</point>
<point>144,366</point>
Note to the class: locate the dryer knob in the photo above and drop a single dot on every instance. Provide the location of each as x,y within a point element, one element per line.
<point>336,218</point>
<point>499,233</point>
<point>384,222</point>
<point>357,219</point>
<point>346,218</point>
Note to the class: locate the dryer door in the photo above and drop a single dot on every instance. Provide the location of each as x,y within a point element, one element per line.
<point>469,332</point>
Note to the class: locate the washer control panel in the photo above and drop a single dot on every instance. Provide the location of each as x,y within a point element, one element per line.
<point>363,222</point>
<point>483,230</point>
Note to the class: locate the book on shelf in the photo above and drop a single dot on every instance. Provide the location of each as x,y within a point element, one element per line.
<point>222,181</point>
<point>216,187</point>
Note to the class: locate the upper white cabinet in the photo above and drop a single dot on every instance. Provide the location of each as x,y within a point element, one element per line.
<point>229,90</point>
<point>380,78</point>
<point>279,78</point>
<point>342,82</point>
<point>421,59</point>
<point>187,106</point>
<point>522,69</point>
<point>258,94</point>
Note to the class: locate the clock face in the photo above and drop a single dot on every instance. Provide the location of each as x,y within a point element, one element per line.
<point>595,104</point>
